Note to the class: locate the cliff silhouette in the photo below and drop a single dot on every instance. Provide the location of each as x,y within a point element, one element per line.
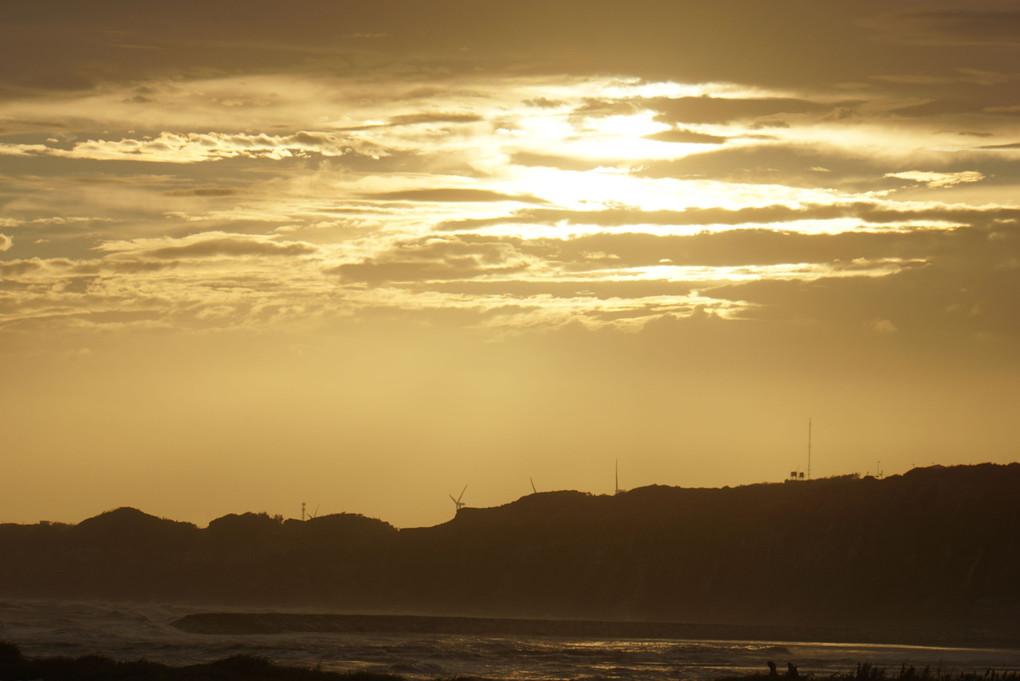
<point>935,547</point>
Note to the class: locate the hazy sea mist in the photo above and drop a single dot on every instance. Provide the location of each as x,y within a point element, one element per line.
<point>130,631</point>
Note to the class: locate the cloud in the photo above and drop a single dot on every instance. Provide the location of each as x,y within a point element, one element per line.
<point>882,326</point>
<point>938,180</point>
<point>754,247</point>
<point>640,272</point>
<point>138,266</point>
<point>941,107</point>
<point>1011,145</point>
<point>5,242</point>
<point>878,213</point>
<point>686,136</point>
<point>8,149</point>
<point>427,118</point>
<point>952,26</point>
<point>571,288</point>
<point>532,159</point>
<point>452,194</point>
<point>231,247</point>
<point>374,272</point>
<point>963,283</point>
<point>438,258</point>
<point>15,268</point>
<point>789,162</point>
<point>78,354</point>
<point>431,127</point>
<point>989,98</point>
<point>205,192</point>
<point>206,246</point>
<point>170,147</point>
<point>545,103</point>
<point>722,110</point>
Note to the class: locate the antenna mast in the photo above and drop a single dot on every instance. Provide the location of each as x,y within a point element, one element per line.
<point>809,448</point>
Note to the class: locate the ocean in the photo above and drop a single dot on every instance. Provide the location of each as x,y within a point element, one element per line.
<point>131,631</point>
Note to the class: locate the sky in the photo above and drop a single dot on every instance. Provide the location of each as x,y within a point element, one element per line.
<point>360,255</point>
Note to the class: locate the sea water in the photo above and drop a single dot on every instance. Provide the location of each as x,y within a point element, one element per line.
<point>144,631</point>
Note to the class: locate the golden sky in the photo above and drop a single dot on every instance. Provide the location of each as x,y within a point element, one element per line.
<point>359,255</point>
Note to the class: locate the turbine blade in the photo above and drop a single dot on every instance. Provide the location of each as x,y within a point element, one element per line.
<point>462,494</point>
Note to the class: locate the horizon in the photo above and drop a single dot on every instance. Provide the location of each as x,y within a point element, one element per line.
<point>361,255</point>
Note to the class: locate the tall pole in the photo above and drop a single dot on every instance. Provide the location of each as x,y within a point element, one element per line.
<point>809,448</point>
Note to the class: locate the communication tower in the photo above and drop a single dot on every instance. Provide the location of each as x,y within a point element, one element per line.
<point>809,448</point>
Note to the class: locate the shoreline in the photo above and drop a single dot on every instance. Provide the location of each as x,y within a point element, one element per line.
<point>272,622</point>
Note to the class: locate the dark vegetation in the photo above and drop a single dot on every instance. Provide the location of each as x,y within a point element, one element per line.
<point>867,672</point>
<point>97,668</point>
<point>937,548</point>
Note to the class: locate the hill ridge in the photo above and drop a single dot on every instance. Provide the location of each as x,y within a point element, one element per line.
<point>935,546</point>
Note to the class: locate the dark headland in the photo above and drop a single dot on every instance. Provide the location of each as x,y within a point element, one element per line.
<point>931,556</point>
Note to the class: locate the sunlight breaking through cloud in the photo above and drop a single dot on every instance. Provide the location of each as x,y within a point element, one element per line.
<point>408,165</point>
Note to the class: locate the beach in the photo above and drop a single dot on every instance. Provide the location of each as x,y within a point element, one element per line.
<point>126,632</point>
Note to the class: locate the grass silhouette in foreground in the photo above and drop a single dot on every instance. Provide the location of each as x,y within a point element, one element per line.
<point>868,672</point>
<point>14,665</point>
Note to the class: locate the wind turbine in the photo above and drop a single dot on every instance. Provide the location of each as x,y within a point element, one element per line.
<point>533,486</point>
<point>457,502</point>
